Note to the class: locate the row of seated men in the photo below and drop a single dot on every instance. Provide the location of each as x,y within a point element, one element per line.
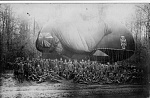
<point>84,71</point>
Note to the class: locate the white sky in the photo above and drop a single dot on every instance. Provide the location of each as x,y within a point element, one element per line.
<point>45,12</point>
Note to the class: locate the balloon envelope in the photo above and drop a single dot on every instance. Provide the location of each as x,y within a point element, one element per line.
<point>82,34</point>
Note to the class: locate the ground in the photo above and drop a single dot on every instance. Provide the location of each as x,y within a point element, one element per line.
<point>65,89</point>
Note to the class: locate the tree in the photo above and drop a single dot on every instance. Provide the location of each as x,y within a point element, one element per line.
<point>15,35</point>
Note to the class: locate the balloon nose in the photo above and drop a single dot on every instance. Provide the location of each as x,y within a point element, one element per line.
<point>49,43</point>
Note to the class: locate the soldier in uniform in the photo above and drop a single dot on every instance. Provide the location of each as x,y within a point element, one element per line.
<point>56,67</point>
<point>21,72</point>
<point>26,70</point>
<point>16,68</point>
<point>65,69</point>
<point>71,69</point>
<point>61,67</point>
<point>39,71</point>
<point>30,70</point>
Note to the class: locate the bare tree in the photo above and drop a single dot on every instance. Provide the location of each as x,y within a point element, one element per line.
<point>15,35</point>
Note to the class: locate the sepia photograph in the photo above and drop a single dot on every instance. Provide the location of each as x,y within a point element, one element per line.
<point>74,50</point>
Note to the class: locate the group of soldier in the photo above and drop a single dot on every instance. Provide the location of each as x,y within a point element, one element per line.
<point>84,71</point>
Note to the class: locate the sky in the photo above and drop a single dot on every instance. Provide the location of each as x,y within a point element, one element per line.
<point>43,13</point>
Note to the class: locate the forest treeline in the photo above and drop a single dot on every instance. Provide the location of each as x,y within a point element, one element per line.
<point>16,35</point>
